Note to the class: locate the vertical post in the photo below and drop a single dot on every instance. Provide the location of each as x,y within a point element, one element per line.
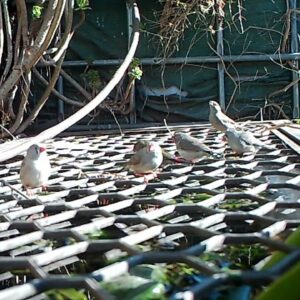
<point>221,73</point>
<point>60,104</point>
<point>132,109</point>
<point>294,49</point>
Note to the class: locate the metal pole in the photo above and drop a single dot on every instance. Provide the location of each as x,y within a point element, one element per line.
<point>187,60</point>
<point>61,110</point>
<point>132,109</point>
<point>221,73</point>
<point>294,49</point>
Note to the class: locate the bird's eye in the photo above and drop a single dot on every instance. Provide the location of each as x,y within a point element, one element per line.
<point>37,150</point>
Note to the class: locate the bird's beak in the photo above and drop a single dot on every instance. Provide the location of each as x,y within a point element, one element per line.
<point>42,149</point>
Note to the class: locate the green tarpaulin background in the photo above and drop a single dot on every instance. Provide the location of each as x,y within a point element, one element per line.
<point>104,35</point>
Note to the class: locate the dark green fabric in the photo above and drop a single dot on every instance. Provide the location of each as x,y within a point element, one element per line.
<point>104,36</point>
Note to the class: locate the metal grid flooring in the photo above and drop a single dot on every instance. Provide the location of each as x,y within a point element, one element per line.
<point>151,223</point>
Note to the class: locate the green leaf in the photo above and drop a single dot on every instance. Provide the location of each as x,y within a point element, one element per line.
<point>285,287</point>
<point>82,5</point>
<point>37,11</point>
<point>147,291</point>
<point>128,287</point>
<point>135,70</point>
<point>66,294</point>
<point>293,239</point>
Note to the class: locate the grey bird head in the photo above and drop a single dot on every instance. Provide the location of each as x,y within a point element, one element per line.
<point>214,106</point>
<point>177,137</point>
<point>34,151</point>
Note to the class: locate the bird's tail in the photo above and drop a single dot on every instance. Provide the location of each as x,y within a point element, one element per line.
<point>124,168</point>
<point>168,155</point>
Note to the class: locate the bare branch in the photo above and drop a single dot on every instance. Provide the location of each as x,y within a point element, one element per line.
<point>55,92</point>
<point>1,34</point>
<point>72,81</point>
<point>9,58</point>
<point>43,99</point>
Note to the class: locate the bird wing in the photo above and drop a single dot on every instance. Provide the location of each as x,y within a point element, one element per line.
<point>140,144</point>
<point>250,139</point>
<point>189,143</point>
<point>136,158</point>
<point>224,119</point>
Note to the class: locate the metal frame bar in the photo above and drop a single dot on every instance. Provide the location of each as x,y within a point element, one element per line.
<point>60,103</point>
<point>132,114</point>
<point>188,60</point>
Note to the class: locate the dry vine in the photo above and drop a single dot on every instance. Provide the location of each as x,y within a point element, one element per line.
<point>176,18</point>
<point>33,35</point>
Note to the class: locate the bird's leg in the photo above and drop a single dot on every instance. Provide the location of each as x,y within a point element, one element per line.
<point>28,191</point>
<point>44,188</point>
<point>104,201</point>
<point>179,160</point>
<point>139,174</point>
<point>146,180</point>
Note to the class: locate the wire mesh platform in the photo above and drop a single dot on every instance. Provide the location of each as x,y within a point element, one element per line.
<point>97,222</point>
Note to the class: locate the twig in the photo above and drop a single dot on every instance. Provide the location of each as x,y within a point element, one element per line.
<point>165,122</point>
<point>15,189</point>
<point>72,81</point>
<point>55,92</point>
<point>8,132</point>
<point>116,120</point>
<point>283,90</point>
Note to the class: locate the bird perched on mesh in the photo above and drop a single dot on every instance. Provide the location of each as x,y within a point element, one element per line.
<point>218,119</point>
<point>35,169</point>
<point>166,155</point>
<point>191,149</point>
<point>146,160</point>
<point>241,141</point>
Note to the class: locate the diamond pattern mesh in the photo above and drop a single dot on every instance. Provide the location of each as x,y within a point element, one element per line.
<point>97,222</point>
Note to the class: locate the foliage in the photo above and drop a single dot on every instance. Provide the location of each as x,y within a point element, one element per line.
<point>177,16</point>
<point>37,11</point>
<point>142,284</point>
<point>285,287</point>
<point>238,204</point>
<point>194,197</point>
<point>66,294</point>
<point>82,4</point>
<point>93,80</point>
<point>293,240</point>
<point>236,257</point>
<point>175,274</point>
<point>135,70</point>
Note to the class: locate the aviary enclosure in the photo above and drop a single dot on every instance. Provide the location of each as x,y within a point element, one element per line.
<point>221,228</point>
